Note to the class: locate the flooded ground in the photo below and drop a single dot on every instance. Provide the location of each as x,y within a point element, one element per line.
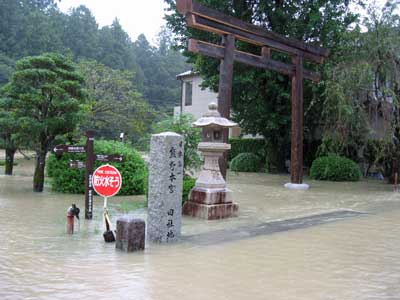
<point>341,257</point>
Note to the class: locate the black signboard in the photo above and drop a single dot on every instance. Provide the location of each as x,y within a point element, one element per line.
<point>77,164</point>
<point>109,158</point>
<point>60,149</point>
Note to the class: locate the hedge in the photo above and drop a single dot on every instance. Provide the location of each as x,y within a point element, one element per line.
<point>239,145</point>
<point>335,168</point>
<point>3,163</point>
<point>188,184</point>
<point>133,169</point>
<point>246,162</point>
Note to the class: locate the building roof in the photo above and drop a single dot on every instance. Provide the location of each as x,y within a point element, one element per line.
<point>186,74</point>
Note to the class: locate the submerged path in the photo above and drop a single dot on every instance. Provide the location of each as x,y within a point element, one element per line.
<point>245,232</point>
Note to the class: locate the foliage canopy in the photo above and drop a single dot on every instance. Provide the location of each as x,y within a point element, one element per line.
<point>114,105</point>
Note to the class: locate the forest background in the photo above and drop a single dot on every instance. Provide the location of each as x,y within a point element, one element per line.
<point>130,84</point>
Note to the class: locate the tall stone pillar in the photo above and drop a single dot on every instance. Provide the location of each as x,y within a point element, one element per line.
<point>165,187</point>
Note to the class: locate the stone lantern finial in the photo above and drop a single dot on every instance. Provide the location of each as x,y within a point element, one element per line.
<point>212,110</point>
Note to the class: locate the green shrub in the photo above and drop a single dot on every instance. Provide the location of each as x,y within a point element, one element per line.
<point>239,145</point>
<point>246,162</point>
<point>3,163</point>
<point>182,125</point>
<point>335,168</point>
<point>133,169</point>
<point>188,184</point>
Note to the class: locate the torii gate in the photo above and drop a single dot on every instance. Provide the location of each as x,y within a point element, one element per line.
<point>207,19</point>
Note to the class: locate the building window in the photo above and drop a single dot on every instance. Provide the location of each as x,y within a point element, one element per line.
<point>188,93</point>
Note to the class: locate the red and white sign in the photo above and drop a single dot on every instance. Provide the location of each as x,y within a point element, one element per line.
<point>106,181</point>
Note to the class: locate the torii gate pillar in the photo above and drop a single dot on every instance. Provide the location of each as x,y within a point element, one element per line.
<point>296,158</point>
<point>225,91</point>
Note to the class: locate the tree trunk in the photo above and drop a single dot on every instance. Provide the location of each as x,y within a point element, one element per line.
<point>38,177</point>
<point>9,161</point>
<point>276,159</point>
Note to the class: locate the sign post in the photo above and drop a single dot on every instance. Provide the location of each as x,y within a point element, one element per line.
<point>107,182</point>
<point>88,175</point>
<point>88,165</point>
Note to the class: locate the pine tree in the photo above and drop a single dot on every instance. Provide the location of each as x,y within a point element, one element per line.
<point>47,95</point>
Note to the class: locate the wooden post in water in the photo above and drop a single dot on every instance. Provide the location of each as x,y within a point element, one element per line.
<point>296,162</point>
<point>225,92</point>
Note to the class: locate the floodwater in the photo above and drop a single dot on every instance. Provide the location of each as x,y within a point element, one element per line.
<point>323,249</point>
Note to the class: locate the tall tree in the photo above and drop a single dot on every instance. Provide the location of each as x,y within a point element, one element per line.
<point>6,68</point>
<point>364,81</point>
<point>172,64</point>
<point>9,129</point>
<point>28,27</point>
<point>149,65</point>
<point>115,105</point>
<point>116,48</point>
<point>47,96</point>
<point>81,33</point>
<point>160,65</point>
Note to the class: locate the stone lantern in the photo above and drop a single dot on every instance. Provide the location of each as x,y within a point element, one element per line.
<point>210,199</point>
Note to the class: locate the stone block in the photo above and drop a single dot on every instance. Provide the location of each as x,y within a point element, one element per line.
<point>210,211</point>
<point>131,234</point>
<point>210,196</point>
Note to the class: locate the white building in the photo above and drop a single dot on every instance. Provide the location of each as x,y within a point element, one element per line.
<point>195,99</point>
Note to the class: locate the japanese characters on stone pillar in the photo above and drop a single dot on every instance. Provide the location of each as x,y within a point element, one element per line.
<point>165,187</point>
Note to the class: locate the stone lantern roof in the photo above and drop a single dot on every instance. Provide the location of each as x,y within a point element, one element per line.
<point>213,118</point>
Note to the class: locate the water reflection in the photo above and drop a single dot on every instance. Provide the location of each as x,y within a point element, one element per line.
<point>355,258</point>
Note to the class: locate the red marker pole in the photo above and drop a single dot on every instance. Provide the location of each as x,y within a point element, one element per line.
<point>70,221</point>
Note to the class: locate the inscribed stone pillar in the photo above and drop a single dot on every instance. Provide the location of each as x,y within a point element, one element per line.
<point>165,187</point>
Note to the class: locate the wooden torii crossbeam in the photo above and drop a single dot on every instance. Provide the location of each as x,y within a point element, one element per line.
<point>232,29</point>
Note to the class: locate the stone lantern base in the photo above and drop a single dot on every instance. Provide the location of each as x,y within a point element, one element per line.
<point>210,204</point>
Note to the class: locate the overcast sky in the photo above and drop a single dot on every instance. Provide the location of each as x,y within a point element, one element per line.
<point>135,16</point>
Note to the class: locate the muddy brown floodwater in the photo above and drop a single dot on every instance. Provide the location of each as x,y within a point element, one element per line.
<point>300,245</point>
